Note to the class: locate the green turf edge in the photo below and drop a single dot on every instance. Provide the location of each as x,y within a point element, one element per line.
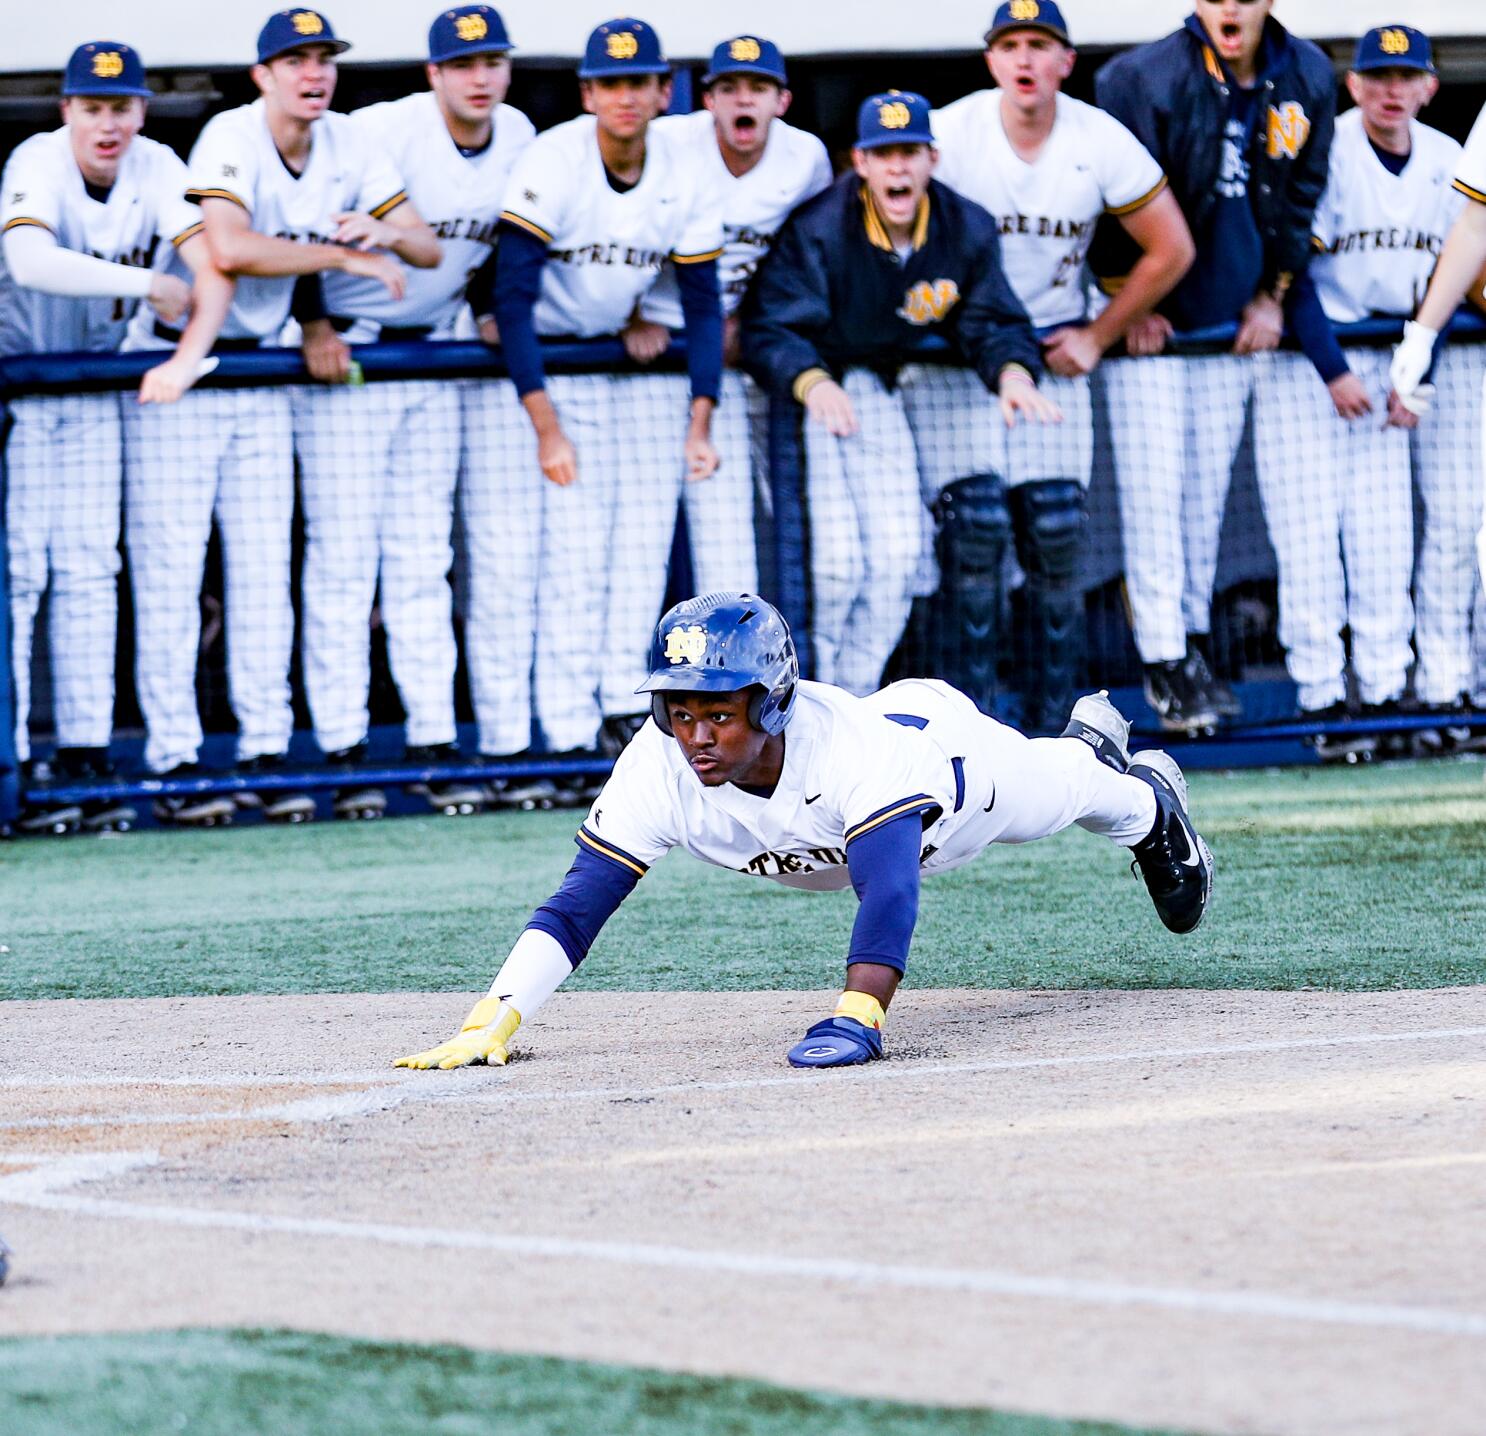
<point>275,1382</point>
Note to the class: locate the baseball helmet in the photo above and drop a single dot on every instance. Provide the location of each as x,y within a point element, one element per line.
<point>721,643</point>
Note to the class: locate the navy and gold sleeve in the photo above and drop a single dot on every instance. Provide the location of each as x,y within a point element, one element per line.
<point>883,862</point>
<point>601,877</point>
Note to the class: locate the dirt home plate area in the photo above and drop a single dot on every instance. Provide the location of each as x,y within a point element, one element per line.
<point>1210,1211</point>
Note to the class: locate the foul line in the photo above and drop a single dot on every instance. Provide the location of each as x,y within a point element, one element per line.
<point>44,1188</point>
<point>390,1090</point>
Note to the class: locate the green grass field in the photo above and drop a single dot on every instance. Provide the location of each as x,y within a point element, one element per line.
<point>250,1382</point>
<point>1326,878</point>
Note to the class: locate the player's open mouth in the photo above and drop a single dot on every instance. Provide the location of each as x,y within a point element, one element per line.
<point>745,124</point>
<point>1231,31</point>
<point>1026,83</point>
<point>899,191</point>
<point>702,763</point>
<point>312,95</point>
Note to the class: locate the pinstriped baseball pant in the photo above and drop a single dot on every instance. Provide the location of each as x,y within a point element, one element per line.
<point>227,453</point>
<point>378,465</point>
<point>63,465</point>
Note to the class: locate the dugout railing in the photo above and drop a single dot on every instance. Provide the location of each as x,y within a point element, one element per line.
<point>783,536</point>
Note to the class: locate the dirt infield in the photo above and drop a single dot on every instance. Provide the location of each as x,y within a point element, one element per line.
<point>1229,1212</point>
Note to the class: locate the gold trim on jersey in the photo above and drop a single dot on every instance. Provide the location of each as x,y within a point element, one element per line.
<point>527,225</point>
<point>200,194</point>
<point>1210,59</point>
<point>877,234</point>
<point>613,854</point>
<point>186,234</point>
<point>388,205</point>
<point>1122,209</point>
<point>695,258</point>
<point>908,805</point>
<point>1470,193</point>
<point>1318,244</point>
<point>21,219</point>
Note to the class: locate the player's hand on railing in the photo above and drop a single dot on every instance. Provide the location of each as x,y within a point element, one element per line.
<point>387,272</point>
<point>1148,336</point>
<point>1261,327</point>
<point>166,382</point>
<point>1072,352</point>
<point>1400,416</point>
<point>558,458</point>
<point>363,232</point>
<point>1349,396</point>
<point>483,1038</point>
<point>829,404</point>
<point>645,342</point>
<point>326,355</point>
<point>169,297</point>
<point>1021,398</point>
<point>702,458</point>
<point>1411,361</point>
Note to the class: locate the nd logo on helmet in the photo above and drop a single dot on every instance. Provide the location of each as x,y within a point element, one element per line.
<point>622,46</point>
<point>1025,9</point>
<point>928,303</point>
<point>893,116</point>
<point>745,49</point>
<point>1289,129</point>
<point>471,27</point>
<point>306,22</point>
<point>108,64</point>
<point>686,644</point>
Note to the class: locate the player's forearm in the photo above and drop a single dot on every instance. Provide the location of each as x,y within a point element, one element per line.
<point>244,253</point>
<point>701,308</point>
<point>1155,275</point>
<point>700,425</point>
<point>536,967</point>
<point>417,245</point>
<point>36,261</point>
<point>1460,262</point>
<point>884,872</point>
<point>211,299</point>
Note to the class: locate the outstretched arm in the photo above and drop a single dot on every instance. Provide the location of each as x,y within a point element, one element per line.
<point>554,942</point>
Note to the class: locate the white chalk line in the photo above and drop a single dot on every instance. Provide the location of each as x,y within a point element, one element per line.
<point>45,1188</point>
<point>452,1084</point>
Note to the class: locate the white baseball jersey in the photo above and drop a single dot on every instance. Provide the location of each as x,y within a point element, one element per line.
<point>459,196</point>
<point>847,770</point>
<point>1470,176</point>
<point>235,159</point>
<point>43,186</point>
<point>1380,234</point>
<point>793,167</point>
<point>605,249</point>
<point>1089,165</point>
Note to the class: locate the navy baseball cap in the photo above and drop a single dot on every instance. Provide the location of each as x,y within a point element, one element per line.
<point>469,30</point>
<point>105,67</point>
<point>895,117</point>
<point>1393,47</point>
<point>746,55</point>
<point>290,29</point>
<point>1028,15</point>
<point>623,47</point>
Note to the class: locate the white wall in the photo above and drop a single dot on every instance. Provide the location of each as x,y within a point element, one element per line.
<point>172,33</point>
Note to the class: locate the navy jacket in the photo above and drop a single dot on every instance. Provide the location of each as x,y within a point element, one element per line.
<point>1174,92</point>
<point>831,296</point>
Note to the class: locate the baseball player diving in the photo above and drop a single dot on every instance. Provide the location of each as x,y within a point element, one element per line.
<point>285,187</point>
<point>1046,166</point>
<point>591,463</point>
<point>748,768</point>
<point>82,210</point>
<point>857,276</point>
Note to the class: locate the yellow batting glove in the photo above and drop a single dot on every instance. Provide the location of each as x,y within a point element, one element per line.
<point>483,1038</point>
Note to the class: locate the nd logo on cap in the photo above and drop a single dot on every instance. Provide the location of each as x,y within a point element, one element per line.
<point>108,64</point>
<point>306,22</point>
<point>744,49</point>
<point>686,644</point>
<point>1025,9</point>
<point>622,46</point>
<point>1394,42</point>
<point>894,115</point>
<point>471,27</point>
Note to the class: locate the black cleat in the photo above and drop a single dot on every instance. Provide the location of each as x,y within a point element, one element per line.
<point>1389,743</point>
<point>353,801</point>
<point>1171,689</point>
<point>1173,860</point>
<point>193,810</point>
<point>519,794</point>
<point>1350,748</point>
<point>1462,730</point>
<point>576,790</point>
<point>454,797</point>
<point>1215,691</point>
<point>278,805</point>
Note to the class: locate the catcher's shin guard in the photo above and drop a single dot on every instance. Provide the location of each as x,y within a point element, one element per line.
<point>1048,516</point>
<point>965,615</point>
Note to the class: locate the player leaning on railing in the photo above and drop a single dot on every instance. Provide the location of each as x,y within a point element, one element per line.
<point>856,278</point>
<point>749,769</point>
<point>82,211</point>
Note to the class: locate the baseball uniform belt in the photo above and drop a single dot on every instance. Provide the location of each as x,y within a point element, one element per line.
<point>222,346</point>
<point>389,333</point>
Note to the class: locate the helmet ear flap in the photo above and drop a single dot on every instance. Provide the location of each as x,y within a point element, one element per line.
<point>756,700</point>
<point>659,713</point>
